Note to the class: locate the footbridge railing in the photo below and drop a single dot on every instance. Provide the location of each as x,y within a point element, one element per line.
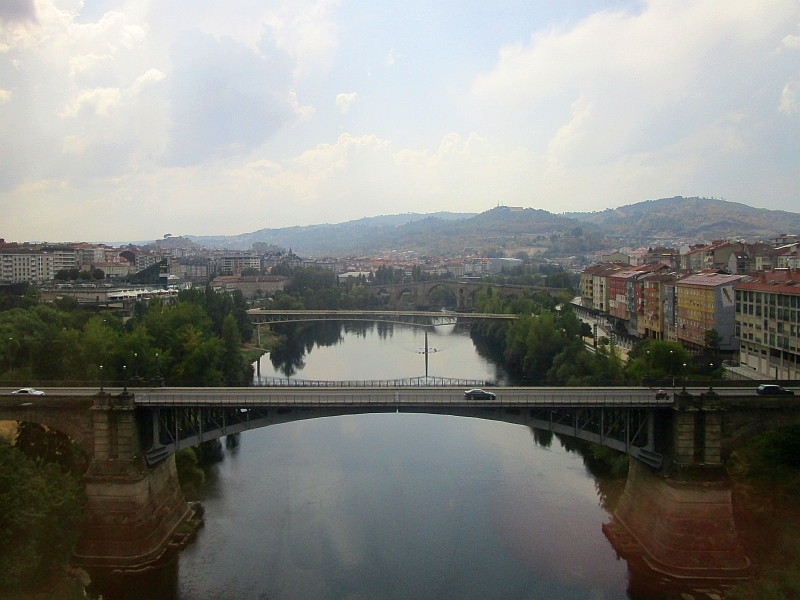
<point>369,383</point>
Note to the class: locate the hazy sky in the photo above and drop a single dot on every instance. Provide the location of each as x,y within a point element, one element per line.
<point>130,119</point>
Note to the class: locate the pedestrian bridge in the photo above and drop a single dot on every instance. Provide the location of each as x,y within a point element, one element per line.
<point>412,317</point>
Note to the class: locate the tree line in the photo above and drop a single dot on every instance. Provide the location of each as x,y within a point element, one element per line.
<point>195,340</point>
<point>546,346</point>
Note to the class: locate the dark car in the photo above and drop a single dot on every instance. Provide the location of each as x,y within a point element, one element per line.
<point>771,389</point>
<point>661,394</point>
<point>478,394</point>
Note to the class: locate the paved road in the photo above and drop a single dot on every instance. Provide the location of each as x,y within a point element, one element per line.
<point>277,396</point>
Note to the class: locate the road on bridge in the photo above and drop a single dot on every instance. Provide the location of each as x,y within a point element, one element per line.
<point>283,396</point>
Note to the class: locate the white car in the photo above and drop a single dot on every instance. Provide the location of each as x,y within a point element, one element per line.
<point>28,392</point>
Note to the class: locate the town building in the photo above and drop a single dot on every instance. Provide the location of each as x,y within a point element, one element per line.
<point>24,265</point>
<point>768,324</point>
<point>651,323</point>
<point>251,286</point>
<point>234,264</point>
<point>705,301</point>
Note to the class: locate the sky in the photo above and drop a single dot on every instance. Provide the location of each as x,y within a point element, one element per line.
<point>130,119</point>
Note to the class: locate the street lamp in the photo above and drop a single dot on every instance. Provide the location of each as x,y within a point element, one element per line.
<point>101,379</point>
<point>125,379</point>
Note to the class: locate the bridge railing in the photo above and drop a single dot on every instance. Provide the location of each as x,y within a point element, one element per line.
<point>407,382</point>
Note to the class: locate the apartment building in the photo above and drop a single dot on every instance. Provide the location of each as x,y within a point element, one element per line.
<point>236,263</point>
<point>768,324</point>
<point>652,322</point>
<point>25,266</point>
<point>705,301</point>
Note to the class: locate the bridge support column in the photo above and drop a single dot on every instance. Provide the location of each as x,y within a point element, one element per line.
<point>133,511</point>
<point>683,437</point>
<point>697,430</point>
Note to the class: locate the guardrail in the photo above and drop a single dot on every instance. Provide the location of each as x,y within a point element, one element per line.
<point>407,382</point>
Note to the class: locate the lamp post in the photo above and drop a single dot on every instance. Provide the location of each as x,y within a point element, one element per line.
<point>648,364</point>
<point>101,379</point>
<point>125,379</point>
<point>683,373</point>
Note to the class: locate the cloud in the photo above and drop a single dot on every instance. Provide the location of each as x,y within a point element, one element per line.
<point>17,11</point>
<point>307,32</point>
<point>618,93</point>
<point>791,41</point>
<point>101,101</point>
<point>150,76</point>
<point>225,98</point>
<point>391,57</point>
<point>343,101</point>
<point>789,98</point>
<point>5,95</point>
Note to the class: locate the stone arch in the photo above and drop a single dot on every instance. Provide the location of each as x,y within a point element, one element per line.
<point>77,425</point>
<point>448,285</point>
<point>401,291</point>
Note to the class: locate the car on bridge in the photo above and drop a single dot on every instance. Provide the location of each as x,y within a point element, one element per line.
<point>771,389</point>
<point>28,392</point>
<point>662,394</point>
<point>478,394</point>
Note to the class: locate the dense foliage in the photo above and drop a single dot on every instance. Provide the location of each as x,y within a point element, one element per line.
<point>41,510</point>
<point>194,341</point>
<point>546,345</point>
<point>318,289</point>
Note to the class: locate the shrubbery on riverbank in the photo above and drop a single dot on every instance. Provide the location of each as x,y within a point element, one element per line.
<point>765,478</point>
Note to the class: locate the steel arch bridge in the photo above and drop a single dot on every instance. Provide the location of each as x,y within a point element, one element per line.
<point>623,419</point>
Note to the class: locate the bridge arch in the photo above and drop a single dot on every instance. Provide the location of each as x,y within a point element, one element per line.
<point>630,430</point>
<point>75,424</point>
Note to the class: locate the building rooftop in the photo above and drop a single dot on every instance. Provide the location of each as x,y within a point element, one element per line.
<point>710,279</point>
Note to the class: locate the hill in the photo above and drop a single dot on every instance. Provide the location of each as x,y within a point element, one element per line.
<point>666,221</point>
<point>691,219</point>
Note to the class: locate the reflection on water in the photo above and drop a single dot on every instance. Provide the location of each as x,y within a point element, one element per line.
<point>361,350</point>
<point>400,506</point>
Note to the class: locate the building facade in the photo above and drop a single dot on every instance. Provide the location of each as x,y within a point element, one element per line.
<point>25,266</point>
<point>705,301</point>
<point>768,324</point>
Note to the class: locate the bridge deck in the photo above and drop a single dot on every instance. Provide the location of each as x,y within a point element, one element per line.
<point>364,315</point>
<point>398,396</point>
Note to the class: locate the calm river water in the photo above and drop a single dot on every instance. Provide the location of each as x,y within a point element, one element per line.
<point>394,506</point>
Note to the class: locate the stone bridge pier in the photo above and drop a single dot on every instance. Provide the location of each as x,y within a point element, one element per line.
<point>133,510</point>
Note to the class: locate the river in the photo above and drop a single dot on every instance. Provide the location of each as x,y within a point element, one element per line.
<point>393,506</point>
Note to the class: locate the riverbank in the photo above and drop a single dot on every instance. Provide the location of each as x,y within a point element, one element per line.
<point>765,481</point>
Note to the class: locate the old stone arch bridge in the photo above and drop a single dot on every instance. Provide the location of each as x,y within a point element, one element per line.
<point>135,504</point>
<point>419,294</point>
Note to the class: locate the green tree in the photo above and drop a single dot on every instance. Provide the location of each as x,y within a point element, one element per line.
<point>41,510</point>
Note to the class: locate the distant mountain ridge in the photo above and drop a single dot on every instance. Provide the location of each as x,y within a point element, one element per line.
<point>665,220</point>
<point>691,219</point>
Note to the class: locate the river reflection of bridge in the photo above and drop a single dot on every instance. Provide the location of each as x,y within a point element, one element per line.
<point>677,534</point>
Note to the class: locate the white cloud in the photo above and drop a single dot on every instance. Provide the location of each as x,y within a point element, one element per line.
<point>5,95</point>
<point>307,31</point>
<point>343,101</point>
<point>789,98</point>
<point>101,100</point>
<point>392,57</point>
<point>791,41</point>
<point>150,76</point>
